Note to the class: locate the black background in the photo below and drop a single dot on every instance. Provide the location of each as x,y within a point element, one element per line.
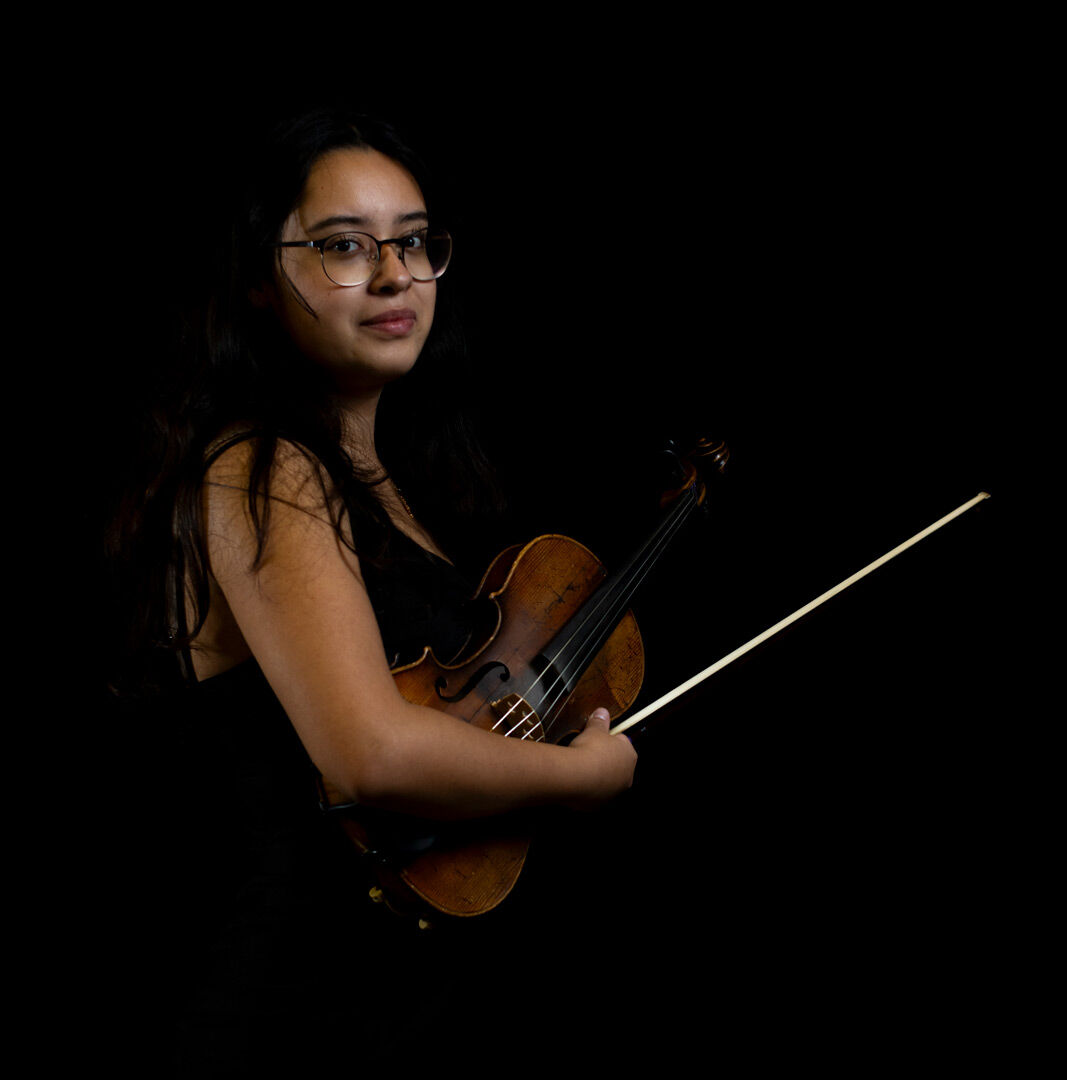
<point>817,844</point>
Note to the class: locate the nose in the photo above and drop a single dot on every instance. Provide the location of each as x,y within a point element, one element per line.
<point>390,275</point>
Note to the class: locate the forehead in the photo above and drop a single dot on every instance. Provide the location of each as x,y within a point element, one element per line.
<point>360,184</point>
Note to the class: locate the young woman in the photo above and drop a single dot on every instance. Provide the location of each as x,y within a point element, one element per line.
<point>301,535</point>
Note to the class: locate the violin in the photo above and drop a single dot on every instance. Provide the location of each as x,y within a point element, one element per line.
<point>557,640</point>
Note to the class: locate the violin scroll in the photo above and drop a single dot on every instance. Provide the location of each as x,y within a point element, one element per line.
<point>711,454</point>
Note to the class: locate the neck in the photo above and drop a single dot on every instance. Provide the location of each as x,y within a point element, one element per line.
<point>358,414</point>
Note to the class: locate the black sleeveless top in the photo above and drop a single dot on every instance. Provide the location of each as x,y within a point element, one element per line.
<point>275,940</point>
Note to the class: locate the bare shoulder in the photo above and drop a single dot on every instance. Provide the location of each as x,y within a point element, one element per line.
<point>292,475</point>
<point>279,514</point>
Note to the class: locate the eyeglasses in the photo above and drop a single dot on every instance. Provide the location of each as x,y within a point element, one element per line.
<point>351,258</point>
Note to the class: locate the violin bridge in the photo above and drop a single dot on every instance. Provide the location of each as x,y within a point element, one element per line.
<point>515,718</point>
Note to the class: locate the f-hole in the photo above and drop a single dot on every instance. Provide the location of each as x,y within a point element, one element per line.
<point>442,683</point>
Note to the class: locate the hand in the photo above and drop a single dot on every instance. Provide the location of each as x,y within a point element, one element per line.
<point>610,761</point>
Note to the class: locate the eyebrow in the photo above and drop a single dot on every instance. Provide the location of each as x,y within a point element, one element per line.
<point>356,220</point>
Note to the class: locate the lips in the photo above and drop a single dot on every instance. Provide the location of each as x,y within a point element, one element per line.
<point>396,321</point>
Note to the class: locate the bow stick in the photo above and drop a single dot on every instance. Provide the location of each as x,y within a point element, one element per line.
<point>798,614</point>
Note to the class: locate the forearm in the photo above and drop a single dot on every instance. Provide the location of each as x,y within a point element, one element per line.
<point>434,765</point>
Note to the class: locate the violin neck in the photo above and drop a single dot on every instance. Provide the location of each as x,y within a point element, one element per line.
<point>624,584</point>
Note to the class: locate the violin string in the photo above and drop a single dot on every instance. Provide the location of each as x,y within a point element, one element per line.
<point>631,580</point>
<point>599,620</point>
<point>605,615</point>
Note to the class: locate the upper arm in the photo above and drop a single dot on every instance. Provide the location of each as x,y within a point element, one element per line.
<point>302,608</point>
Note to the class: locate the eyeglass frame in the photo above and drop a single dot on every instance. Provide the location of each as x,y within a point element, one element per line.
<point>397,241</point>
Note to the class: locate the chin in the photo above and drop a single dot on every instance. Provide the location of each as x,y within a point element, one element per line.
<point>363,376</point>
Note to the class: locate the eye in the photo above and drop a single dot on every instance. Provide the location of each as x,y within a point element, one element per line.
<point>347,245</point>
<point>415,241</point>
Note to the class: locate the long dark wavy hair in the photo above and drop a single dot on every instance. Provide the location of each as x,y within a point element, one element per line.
<point>232,369</point>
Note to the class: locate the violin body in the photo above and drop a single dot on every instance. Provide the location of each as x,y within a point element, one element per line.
<point>513,684</point>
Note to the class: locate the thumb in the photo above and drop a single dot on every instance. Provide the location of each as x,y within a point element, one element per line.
<point>599,718</point>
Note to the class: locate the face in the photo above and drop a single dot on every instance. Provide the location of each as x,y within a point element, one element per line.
<point>363,335</point>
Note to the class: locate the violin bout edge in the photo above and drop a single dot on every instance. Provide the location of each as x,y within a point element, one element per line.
<point>461,881</point>
<point>468,881</point>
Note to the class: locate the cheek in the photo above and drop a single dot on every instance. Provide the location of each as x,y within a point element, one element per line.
<point>431,306</point>
<point>309,314</point>
<point>298,325</point>
<point>315,336</point>
<point>290,303</point>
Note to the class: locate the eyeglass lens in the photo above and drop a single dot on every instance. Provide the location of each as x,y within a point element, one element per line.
<point>351,258</point>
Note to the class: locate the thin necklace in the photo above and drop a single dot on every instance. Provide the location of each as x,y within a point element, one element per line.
<point>399,493</point>
<point>403,501</point>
